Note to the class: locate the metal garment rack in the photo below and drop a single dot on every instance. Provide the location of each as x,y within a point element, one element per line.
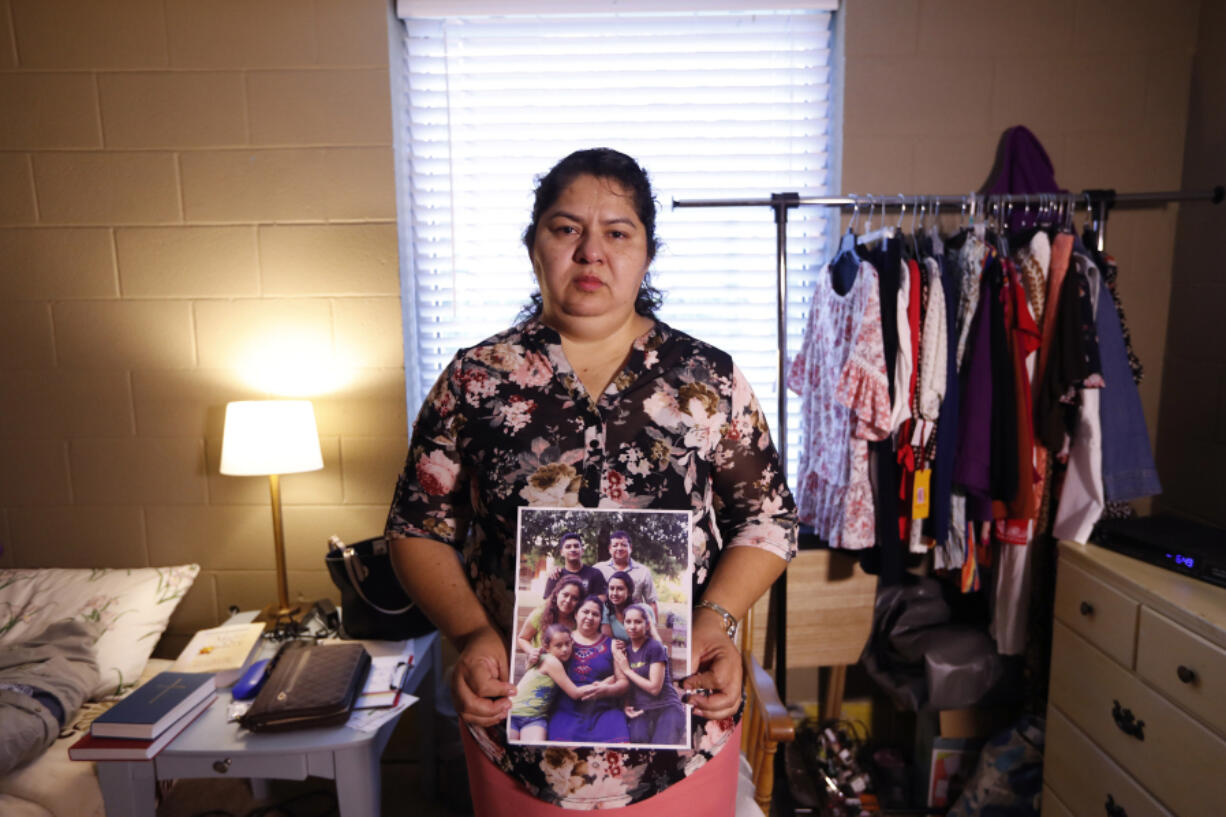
<point>1099,202</point>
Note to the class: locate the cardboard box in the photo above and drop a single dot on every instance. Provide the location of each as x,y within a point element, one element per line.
<point>952,764</point>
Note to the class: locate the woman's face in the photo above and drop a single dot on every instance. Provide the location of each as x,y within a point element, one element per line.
<point>568,598</point>
<point>618,592</point>
<point>588,619</point>
<point>635,624</point>
<point>590,252</point>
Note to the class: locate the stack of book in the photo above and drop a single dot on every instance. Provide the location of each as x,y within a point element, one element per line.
<point>151,716</point>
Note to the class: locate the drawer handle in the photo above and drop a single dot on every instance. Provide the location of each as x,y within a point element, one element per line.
<point>1127,722</point>
<point>1086,608</point>
<point>1114,810</point>
<point>221,766</point>
<point>1186,674</point>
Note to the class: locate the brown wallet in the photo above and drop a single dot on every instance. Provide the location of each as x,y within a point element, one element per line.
<point>309,686</point>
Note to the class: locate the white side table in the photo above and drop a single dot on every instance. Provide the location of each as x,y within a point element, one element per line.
<point>211,747</point>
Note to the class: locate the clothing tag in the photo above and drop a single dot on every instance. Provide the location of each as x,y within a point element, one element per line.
<point>919,500</point>
<point>917,435</point>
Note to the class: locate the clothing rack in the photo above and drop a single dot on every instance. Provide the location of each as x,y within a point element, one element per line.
<point>1097,202</point>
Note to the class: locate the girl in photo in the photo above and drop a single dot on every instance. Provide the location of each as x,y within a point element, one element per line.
<point>619,588</point>
<point>598,716</point>
<point>559,608</point>
<point>540,684</point>
<point>655,712</point>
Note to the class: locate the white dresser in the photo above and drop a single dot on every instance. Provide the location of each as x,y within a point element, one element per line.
<point>1136,716</point>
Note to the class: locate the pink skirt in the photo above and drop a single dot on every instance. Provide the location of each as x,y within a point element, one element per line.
<point>709,792</point>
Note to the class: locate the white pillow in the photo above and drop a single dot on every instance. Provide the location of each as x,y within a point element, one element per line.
<point>133,605</point>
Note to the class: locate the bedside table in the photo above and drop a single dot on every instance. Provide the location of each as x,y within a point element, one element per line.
<point>213,747</point>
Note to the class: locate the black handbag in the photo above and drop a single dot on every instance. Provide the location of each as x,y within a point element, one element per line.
<point>373,604</point>
<point>309,686</point>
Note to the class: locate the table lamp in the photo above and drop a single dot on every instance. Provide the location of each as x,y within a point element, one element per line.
<point>272,437</point>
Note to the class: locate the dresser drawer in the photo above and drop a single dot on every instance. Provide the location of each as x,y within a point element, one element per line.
<point>1052,807</point>
<point>1183,666</point>
<point>1178,760</point>
<point>1097,612</point>
<point>1084,780</point>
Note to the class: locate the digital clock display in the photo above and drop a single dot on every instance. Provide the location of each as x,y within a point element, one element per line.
<point>1183,561</point>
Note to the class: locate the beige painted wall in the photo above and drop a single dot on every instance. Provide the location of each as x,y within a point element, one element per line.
<point>185,186</point>
<point>1192,430</point>
<point>184,182</point>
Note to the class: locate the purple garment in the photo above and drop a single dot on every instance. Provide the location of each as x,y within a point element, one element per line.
<point>1024,167</point>
<point>1128,463</point>
<point>600,720</point>
<point>972,462</point>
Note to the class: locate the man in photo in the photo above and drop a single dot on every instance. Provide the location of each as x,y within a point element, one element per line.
<point>571,548</point>
<point>619,559</point>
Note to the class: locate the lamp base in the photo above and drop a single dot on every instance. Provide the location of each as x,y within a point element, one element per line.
<point>275,616</point>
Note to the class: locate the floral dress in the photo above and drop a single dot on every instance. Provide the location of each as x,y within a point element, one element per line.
<point>509,424</point>
<point>845,402</point>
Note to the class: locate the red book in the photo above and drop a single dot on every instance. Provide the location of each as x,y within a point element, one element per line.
<point>92,747</point>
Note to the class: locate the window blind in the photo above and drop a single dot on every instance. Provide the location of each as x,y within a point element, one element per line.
<point>713,104</point>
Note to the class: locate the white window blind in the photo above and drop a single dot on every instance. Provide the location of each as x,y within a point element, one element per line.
<point>714,105</point>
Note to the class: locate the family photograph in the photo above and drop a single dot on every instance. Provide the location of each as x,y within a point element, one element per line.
<point>602,616</point>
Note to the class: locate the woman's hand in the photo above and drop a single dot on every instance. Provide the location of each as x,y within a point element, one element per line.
<point>718,670</point>
<point>531,654</point>
<point>631,712</point>
<point>619,656</point>
<point>479,684</point>
<point>606,688</point>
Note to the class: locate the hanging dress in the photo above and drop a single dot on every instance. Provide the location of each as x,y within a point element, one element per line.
<point>845,402</point>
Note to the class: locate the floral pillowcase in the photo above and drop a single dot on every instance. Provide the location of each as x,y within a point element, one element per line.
<point>133,605</point>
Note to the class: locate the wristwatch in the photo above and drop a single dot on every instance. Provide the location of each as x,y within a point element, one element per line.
<point>730,623</point>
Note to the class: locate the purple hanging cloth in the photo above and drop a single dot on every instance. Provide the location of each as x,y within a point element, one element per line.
<point>1022,166</point>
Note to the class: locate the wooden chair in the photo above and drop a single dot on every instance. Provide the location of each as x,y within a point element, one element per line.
<point>765,723</point>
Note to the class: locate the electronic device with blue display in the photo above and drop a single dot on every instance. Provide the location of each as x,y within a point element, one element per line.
<point>1172,542</point>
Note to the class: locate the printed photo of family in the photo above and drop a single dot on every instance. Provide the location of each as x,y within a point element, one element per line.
<point>602,617</point>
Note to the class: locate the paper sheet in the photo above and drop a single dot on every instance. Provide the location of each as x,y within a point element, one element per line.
<point>369,720</point>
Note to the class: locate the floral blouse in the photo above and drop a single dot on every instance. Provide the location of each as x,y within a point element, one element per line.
<point>508,424</point>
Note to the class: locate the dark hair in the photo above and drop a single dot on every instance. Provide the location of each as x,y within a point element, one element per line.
<point>551,631</point>
<point>547,636</point>
<point>621,534</point>
<point>570,534</point>
<point>595,599</point>
<point>550,615</point>
<point>603,163</point>
<point>625,579</point>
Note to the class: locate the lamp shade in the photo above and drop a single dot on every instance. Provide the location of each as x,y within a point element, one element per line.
<point>263,437</point>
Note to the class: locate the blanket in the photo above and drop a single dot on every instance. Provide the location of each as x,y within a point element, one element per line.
<point>58,662</point>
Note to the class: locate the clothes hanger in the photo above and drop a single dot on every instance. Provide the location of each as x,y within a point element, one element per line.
<point>908,250</point>
<point>885,232</point>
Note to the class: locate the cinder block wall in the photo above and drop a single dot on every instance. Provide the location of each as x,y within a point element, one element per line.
<point>187,184</point>
<point>192,193</point>
<point>1192,436</point>
<point>1104,84</point>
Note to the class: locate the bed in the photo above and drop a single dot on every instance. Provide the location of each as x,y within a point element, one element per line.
<point>131,608</point>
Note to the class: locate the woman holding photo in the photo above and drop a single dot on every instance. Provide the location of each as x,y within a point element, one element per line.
<point>598,716</point>
<point>559,608</point>
<point>590,401</point>
<point>656,713</point>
